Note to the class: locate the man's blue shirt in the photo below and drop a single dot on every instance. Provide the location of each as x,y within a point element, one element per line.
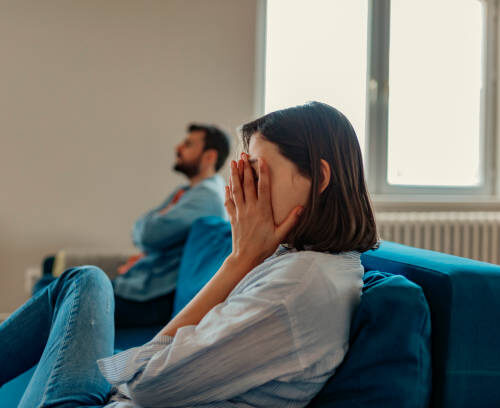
<point>162,236</point>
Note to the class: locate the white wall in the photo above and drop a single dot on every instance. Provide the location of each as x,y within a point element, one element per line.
<point>93,97</point>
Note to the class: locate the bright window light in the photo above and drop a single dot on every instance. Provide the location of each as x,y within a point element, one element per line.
<point>316,50</point>
<point>435,84</point>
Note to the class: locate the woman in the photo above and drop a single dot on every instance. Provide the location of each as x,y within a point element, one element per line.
<point>271,325</point>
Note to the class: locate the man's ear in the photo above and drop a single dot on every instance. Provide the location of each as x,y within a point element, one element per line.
<point>326,173</point>
<point>210,157</point>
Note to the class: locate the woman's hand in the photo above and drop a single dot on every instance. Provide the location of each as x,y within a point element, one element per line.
<point>255,237</point>
<point>255,234</point>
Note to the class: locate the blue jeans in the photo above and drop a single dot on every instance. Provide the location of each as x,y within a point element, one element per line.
<point>131,313</point>
<point>65,328</point>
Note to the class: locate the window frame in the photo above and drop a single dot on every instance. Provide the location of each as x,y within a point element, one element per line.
<point>378,89</point>
<point>377,109</point>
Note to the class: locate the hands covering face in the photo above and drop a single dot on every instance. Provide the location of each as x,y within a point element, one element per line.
<point>248,202</point>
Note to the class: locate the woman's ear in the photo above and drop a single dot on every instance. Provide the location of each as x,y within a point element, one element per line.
<point>326,173</point>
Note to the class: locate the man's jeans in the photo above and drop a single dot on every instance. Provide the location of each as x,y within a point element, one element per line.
<point>65,328</point>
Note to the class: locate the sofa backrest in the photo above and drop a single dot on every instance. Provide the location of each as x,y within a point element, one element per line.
<point>464,300</point>
<point>207,246</point>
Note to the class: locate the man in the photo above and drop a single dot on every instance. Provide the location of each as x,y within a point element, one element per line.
<point>144,290</point>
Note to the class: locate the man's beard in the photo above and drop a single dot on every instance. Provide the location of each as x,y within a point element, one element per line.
<point>188,169</point>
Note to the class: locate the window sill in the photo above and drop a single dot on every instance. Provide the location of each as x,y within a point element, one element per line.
<point>435,203</point>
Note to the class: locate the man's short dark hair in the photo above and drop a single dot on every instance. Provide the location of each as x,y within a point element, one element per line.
<point>215,138</point>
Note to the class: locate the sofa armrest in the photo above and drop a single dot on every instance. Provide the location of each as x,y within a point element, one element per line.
<point>465,310</point>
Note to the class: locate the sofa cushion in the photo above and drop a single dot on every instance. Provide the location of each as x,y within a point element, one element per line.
<point>126,338</point>
<point>207,245</point>
<point>388,363</point>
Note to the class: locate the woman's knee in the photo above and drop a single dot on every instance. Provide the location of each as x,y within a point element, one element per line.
<point>89,278</point>
<point>95,278</point>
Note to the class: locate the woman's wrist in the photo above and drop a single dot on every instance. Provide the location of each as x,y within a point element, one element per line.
<point>242,263</point>
<point>232,271</point>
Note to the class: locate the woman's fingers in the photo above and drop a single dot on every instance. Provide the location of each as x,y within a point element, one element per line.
<point>231,188</point>
<point>264,192</point>
<point>240,166</point>
<point>229,203</point>
<point>236,189</point>
<point>248,182</point>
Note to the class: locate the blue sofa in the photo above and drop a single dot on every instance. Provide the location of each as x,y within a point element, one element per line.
<point>426,334</point>
<point>464,301</point>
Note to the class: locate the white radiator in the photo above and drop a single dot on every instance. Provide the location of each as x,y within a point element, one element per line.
<point>469,234</point>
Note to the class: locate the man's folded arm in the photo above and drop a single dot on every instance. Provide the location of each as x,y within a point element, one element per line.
<point>139,223</point>
<point>156,232</point>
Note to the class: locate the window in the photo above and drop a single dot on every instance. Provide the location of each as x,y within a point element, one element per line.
<point>416,79</point>
<point>308,44</point>
<point>435,89</point>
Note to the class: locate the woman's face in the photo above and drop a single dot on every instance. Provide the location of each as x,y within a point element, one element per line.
<point>289,188</point>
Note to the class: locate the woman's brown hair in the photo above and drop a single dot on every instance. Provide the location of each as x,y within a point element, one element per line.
<point>340,218</point>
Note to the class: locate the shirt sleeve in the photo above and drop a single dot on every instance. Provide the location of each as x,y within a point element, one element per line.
<point>155,231</point>
<point>138,225</point>
<point>240,344</point>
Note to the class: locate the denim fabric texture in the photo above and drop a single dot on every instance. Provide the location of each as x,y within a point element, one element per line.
<point>65,328</point>
<point>131,313</point>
